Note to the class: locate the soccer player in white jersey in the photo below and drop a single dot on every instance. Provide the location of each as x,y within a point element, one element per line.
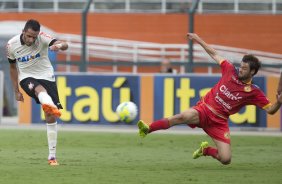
<point>30,66</point>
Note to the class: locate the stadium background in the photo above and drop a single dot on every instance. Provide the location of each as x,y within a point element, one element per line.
<point>255,32</point>
<point>113,152</point>
<point>250,31</point>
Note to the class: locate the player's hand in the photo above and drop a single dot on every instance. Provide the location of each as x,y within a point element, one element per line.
<point>56,47</point>
<point>193,36</point>
<point>19,96</point>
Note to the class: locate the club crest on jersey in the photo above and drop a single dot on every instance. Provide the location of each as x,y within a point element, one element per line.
<point>30,86</point>
<point>28,58</point>
<point>227,135</point>
<point>247,88</point>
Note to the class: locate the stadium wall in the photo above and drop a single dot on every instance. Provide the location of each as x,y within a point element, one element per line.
<point>256,32</point>
<point>87,101</point>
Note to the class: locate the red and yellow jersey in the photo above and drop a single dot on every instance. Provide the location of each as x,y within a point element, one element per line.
<point>229,95</point>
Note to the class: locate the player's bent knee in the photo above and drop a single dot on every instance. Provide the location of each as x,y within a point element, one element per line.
<point>225,160</point>
<point>39,89</point>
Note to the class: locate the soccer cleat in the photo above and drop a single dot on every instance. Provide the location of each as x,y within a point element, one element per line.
<point>49,109</point>
<point>200,152</point>
<point>143,128</point>
<point>53,162</point>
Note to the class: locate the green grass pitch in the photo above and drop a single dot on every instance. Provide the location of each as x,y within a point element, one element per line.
<point>121,158</point>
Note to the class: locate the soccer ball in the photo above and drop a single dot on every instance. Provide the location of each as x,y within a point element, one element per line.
<point>127,111</point>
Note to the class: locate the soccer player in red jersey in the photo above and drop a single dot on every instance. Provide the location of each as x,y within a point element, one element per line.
<point>233,91</point>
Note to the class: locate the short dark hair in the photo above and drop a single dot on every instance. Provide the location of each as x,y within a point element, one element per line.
<point>253,62</point>
<point>32,24</point>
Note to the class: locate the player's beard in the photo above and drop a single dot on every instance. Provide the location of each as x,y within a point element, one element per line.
<point>244,77</point>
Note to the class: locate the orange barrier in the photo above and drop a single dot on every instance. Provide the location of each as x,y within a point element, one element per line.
<point>273,121</point>
<point>25,109</point>
<point>257,32</point>
<point>147,105</point>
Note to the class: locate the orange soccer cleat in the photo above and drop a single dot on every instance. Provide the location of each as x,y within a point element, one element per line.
<point>53,162</point>
<point>53,110</point>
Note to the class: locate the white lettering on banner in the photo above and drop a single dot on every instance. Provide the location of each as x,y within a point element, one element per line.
<point>222,102</point>
<point>229,95</point>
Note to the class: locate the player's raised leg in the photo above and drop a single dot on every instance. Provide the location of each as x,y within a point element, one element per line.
<point>190,116</point>
<point>46,101</point>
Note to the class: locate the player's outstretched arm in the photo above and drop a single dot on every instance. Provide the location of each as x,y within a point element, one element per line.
<point>276,106</point>
<point>214,55</point>
<point>14,78</point>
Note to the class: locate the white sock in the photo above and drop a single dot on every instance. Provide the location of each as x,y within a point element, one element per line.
<point>44,98</point>
<point>52,139</point>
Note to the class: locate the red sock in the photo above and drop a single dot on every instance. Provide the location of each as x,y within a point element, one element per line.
<point>210,151</point>
<point>159,125</point>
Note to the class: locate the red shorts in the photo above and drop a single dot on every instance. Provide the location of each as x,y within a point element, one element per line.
<point>215,126</point>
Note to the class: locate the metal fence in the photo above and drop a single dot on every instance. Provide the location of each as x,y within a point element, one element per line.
<point>135,52</point>
<point>143,6</point>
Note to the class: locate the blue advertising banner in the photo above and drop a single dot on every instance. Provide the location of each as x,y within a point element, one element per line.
<point>92,98</point>
<point>174,94</point>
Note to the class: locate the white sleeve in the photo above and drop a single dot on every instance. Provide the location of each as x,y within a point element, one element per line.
<point>9,52</point>
<point>46,38</point>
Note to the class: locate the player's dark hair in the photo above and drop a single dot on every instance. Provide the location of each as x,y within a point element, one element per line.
<point>253,62</point>
<point>32,24</point>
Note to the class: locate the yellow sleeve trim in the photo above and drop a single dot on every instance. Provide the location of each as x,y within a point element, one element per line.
<point>266,106</point>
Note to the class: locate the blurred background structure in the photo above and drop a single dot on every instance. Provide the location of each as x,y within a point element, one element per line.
<point>144,6</point>
<point>134,36</point>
